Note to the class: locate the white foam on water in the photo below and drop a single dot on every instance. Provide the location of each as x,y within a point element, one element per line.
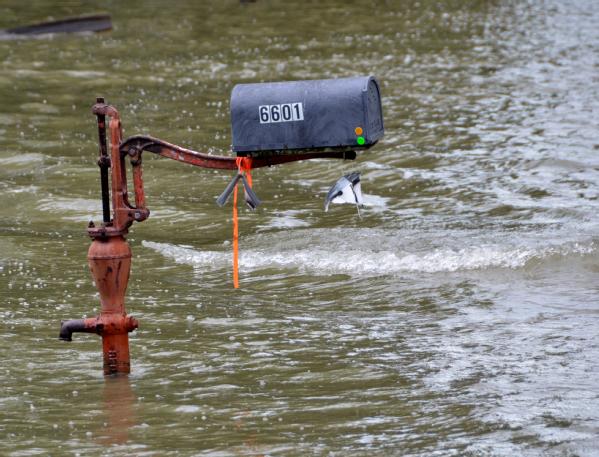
<point>375,202</point>
<point>189,409</point>
<point>23,190</point>
<point>72,209</point>
<point>230,322</point>
<point>361,261</point>
<point>85,74</point>
<point>286,219</point>
<point>186,255</point>
<point>25,159</point>
<point>41,108</point>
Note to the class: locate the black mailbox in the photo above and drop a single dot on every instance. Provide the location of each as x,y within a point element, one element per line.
<point>329,114</point>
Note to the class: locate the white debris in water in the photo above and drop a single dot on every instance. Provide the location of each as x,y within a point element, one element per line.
<point>187,409</point>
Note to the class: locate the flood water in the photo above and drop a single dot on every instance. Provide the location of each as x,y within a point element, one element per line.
<point>458,317</point>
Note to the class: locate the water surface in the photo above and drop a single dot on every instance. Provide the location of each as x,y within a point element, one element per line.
<point>459,316</point>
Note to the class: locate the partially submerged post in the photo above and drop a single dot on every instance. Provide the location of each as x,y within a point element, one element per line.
<point>80,24</point>
<point>297,121</point>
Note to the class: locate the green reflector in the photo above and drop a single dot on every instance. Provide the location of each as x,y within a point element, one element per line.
<point>361,140</point>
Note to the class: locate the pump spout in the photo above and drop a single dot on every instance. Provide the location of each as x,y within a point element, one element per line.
<point>67,328</point>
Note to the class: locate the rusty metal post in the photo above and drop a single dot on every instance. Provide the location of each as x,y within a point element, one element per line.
<point>109,259</point>
<point>110,263</point>
<point>109,256</point>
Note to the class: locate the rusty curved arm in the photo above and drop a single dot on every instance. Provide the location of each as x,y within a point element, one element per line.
<point>171,151</point>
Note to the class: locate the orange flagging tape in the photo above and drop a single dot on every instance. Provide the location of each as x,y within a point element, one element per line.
<point>244,165</point>
<point>235,241</point>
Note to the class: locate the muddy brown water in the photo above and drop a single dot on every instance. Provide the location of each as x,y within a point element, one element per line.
<point>459,316</point>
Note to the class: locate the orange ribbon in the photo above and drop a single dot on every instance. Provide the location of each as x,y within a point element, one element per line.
<point>244,165</point>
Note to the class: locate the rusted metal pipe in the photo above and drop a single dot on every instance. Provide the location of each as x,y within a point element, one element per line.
<point>103,163</point>
<point>136,144</point>
<point>110,263</point>
<point>67,328</point>
<point>109,256</point>
<point>109,260</point>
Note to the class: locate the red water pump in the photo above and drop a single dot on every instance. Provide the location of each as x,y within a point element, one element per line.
<point>109,256</point>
